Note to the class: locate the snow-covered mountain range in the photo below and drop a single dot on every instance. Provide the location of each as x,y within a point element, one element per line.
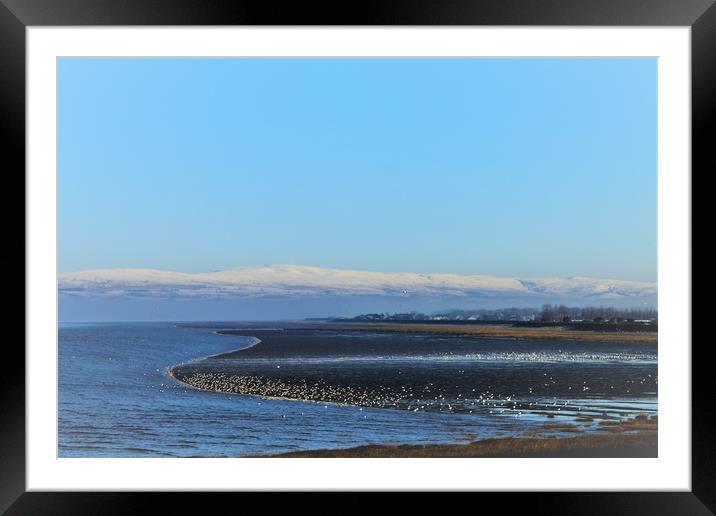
<point>290,281</point>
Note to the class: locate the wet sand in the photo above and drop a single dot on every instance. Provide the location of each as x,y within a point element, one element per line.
<point>453,374</point>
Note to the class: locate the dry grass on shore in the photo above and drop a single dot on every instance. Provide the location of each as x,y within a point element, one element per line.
<point>599,445</point>
<point>635,437</point>
<point>501,331</point>
<point>639,423</point>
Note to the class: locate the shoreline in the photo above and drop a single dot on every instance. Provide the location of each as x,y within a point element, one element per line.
<point>642,444</point>
<point>169,370</point>
<point>505,331</point>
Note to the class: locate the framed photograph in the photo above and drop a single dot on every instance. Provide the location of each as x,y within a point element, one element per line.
<point>414,248</point>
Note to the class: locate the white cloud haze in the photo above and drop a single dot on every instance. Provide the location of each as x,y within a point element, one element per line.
<point>298,291</point>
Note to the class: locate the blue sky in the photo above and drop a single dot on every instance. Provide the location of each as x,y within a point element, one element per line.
<point>511,167</point>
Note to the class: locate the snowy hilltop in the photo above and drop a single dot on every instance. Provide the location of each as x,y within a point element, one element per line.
<point>301,281</point>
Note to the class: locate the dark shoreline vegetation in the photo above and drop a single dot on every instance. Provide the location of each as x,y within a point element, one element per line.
<point>496,330</point>
<point>601,327</point>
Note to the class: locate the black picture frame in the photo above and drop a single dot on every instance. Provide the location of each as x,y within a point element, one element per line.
<point>16,15</point>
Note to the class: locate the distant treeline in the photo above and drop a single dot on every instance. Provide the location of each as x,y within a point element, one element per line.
<point>553,314</point>
<point>504,314</point>
<point>597,314</point>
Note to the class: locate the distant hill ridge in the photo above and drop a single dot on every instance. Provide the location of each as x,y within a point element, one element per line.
<point>299,280</point>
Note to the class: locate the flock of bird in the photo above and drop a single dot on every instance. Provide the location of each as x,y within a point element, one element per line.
<point>405,398</point>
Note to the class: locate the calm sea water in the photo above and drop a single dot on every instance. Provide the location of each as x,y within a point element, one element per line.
<point>116,398</point>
